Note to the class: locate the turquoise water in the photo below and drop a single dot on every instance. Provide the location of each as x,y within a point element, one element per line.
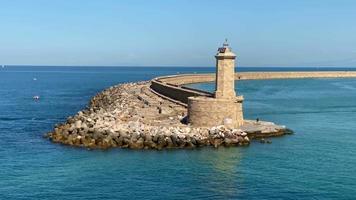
<point>317,162</point>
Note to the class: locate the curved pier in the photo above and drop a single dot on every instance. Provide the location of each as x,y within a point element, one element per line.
<point>172,87</point>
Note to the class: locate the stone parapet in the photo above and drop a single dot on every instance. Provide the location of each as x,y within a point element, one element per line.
<point>176,92</point>
<point>294,75</point>
<point>172,86</point>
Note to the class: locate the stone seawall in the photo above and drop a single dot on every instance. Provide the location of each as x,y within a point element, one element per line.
<point>172,87</point>
<point>175,92</point>
<point>294,75</point>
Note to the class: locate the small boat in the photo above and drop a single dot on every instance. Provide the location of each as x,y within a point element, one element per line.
<point>35,79</point>
<point>36,97</point>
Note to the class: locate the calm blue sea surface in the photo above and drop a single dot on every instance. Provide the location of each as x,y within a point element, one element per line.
<point>317,162</point>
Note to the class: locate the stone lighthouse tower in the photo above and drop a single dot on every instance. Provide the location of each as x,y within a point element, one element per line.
<point>225,73</point>
<point>224,108</point>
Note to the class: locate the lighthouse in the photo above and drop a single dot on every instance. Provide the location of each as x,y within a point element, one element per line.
<point>224,107</point>
<point>225,73</point>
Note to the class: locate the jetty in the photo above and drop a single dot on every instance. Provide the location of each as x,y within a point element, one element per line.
<point>165,113</point>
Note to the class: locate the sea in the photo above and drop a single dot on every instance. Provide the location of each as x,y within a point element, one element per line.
<point>317,162</point>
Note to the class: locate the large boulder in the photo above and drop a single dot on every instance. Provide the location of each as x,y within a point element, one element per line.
<point>138,144</point>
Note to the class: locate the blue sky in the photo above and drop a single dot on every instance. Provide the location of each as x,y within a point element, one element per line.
<point>177,32</point>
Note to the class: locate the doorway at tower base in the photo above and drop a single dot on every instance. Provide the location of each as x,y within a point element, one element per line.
<point>208,112</point>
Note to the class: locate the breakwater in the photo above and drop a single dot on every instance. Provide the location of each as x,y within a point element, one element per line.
<point>131,116</point>
<point>199,78</point>
<point>151,115</point>
<point>172,87</point>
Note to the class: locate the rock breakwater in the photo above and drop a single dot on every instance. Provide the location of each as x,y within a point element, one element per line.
<point>132,116</point>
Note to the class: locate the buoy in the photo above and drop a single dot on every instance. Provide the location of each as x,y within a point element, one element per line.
<point>35,79</point>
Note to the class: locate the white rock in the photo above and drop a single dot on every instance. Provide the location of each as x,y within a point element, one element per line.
<point>246,139</point>
<point>78,124</point>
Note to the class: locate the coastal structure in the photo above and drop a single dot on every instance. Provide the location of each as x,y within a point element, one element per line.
<point>166,113</point>
<point>224,107</point>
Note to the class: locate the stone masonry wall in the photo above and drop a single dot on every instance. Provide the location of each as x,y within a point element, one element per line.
<point>170,86</point>
<point>225,79</point>
<point>176,93</point>
<point>208,112</point>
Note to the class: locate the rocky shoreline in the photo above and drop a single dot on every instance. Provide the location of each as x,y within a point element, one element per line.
<point>131,116</point>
